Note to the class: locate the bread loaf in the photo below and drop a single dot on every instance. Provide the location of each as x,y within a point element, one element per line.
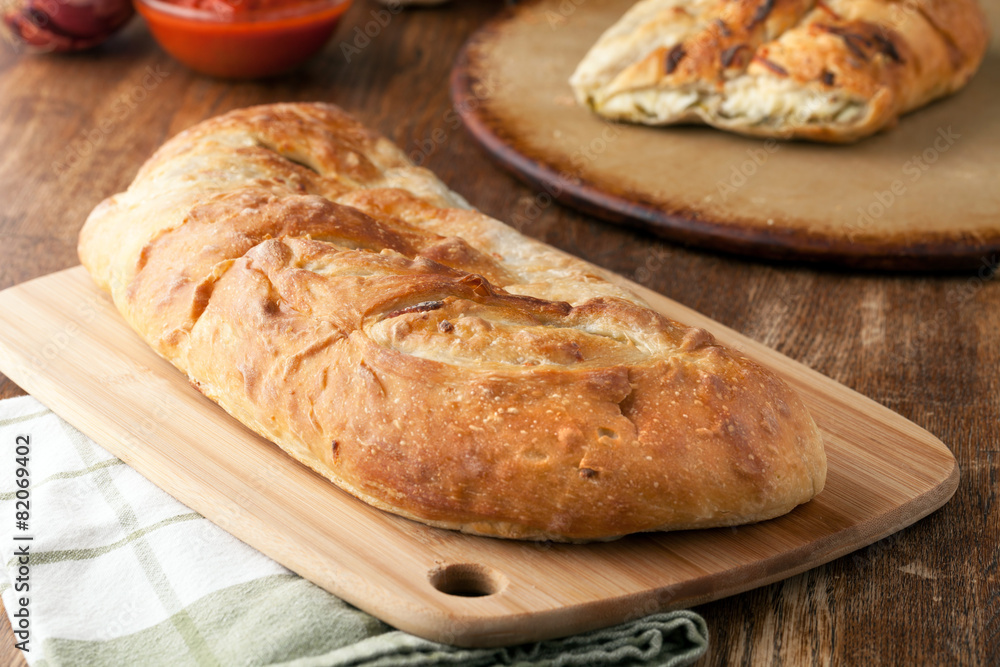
<point>427,358</point>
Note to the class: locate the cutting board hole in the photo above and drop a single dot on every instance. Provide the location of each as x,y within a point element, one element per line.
<point>467,580</point>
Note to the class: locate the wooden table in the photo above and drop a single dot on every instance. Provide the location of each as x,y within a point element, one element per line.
<point>75,129</point>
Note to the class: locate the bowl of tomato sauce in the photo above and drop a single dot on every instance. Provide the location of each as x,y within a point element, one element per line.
<point>242,39</point>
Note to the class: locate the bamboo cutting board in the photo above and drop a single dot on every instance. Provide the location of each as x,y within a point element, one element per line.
<point>925,195</point>
<point>62,341</point>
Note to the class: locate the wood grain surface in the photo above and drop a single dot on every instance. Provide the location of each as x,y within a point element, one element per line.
<point>923,196</point>
<point>926,347</point>
<point>884,474</point>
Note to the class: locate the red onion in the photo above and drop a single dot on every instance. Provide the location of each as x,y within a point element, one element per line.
<point>62,25</point>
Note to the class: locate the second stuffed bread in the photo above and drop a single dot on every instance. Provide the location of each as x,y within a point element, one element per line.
<point>427,358</point>
<point>832,71</point>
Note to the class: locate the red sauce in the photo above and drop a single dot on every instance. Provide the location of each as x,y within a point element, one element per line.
<point>242,38</point>
<point>232,9</point>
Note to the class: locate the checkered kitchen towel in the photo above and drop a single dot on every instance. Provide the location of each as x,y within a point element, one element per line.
<point>120,573</point>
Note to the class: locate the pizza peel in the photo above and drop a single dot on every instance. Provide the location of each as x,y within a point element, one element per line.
<point>62,341</point>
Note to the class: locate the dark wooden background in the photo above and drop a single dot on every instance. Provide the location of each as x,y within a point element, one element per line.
<point>74,129</point>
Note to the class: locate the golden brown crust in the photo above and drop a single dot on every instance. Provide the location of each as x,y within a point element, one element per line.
<point>426,358</point>
<point>828,71</point>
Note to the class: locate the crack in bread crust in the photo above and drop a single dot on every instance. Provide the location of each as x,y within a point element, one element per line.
<point>426,358</point>
<point>831,71</point>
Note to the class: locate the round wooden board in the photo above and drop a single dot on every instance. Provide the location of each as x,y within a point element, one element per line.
<point>922,196</point>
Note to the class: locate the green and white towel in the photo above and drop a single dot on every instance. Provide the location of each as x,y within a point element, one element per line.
<point>120,573</point>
